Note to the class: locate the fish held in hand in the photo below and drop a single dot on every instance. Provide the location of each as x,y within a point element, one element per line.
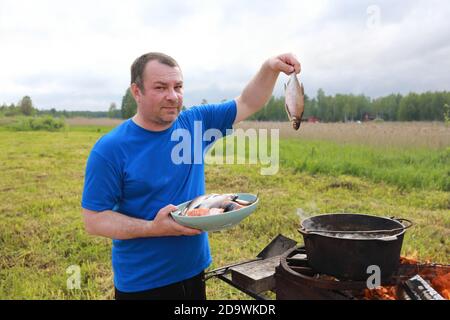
<point>294,100</point>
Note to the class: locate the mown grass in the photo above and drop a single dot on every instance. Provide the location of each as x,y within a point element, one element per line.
<point>42,234</point>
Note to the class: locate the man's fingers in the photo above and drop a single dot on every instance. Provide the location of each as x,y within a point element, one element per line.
<point>293,63</point>
<point>186,231</point>
<point>168,209</point>
<point>297,67</point>
<point>191,232</point>
<point>285,67</point>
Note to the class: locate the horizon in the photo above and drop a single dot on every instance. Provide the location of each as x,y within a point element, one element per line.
<point>279,96</point>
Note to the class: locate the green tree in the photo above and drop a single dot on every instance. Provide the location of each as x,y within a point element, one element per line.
<point>310,108</point>
<point>437,102</point>
<point>3,109</point>
<point>388,109</point>
<point>409,109</point>
<point>12,110</point>
<point>322,105</point>
<point>339,107</point>
<point>26,106</point>
<point>129,106</point>
<point>447,114</point>
<point>113,112</point>
<point>363,104</point>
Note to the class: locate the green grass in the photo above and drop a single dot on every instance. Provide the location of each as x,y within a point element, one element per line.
<point>42,234</point>
<point>404,168</point>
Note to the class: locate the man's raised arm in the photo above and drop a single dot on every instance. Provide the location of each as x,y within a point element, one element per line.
<point>259,90</point>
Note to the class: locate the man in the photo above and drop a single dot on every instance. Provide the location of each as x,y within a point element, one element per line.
<point>132,184</point>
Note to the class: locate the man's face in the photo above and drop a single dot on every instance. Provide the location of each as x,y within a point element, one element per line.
<point>162,99</point>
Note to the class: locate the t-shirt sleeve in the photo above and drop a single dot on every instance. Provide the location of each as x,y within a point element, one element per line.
<point>219,116</point>
<point>102,184</point>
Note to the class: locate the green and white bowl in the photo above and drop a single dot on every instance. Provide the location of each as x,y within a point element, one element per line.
<point>220,221</point>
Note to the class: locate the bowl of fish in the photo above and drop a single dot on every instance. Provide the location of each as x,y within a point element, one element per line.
<point>214,212</point>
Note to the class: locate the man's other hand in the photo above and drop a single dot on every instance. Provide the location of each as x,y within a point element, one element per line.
<point>164,225</point>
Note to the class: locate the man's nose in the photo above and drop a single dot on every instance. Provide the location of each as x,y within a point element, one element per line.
<point>172,95</point>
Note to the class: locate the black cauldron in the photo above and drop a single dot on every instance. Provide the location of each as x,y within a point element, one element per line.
<point>346,245</point>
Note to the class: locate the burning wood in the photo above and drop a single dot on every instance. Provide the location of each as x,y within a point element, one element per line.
<point>413,279</point>
<point>382,293</point>
<point>442,285</point>
<point>438,277</point>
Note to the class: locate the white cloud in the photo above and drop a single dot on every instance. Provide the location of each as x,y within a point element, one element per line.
<point>77,54</point>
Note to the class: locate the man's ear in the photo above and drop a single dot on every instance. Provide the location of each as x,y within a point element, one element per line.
<point>136,92</point>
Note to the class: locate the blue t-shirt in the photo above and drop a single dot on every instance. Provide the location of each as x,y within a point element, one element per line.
<point>130,170</point>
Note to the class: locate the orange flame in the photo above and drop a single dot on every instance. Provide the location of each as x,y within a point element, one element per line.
<point>442,285</point>
<point>381,293</point>
<point>439,279</point>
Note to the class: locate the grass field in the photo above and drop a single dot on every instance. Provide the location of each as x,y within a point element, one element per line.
<point>41,230</point>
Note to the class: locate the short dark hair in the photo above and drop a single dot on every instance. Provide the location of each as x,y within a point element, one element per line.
<point>138,66</point>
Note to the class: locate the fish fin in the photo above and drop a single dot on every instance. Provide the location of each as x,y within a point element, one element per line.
<point>300,120</point>
<point>285,86</point>
<point>303,89</point>
<point>287,111</point>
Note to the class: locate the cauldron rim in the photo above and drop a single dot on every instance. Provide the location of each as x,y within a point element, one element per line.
<point>391,237</point>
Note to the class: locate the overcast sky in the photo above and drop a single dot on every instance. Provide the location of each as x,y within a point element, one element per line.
<point>76,55</point>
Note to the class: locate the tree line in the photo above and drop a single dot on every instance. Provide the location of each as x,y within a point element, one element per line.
<point>428,106</point>
<point>25,107</point>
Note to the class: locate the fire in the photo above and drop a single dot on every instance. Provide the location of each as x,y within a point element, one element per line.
<point>442,285</point>
<point>408,260</point>
<point>439,279</point>
<point>381,293</point>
